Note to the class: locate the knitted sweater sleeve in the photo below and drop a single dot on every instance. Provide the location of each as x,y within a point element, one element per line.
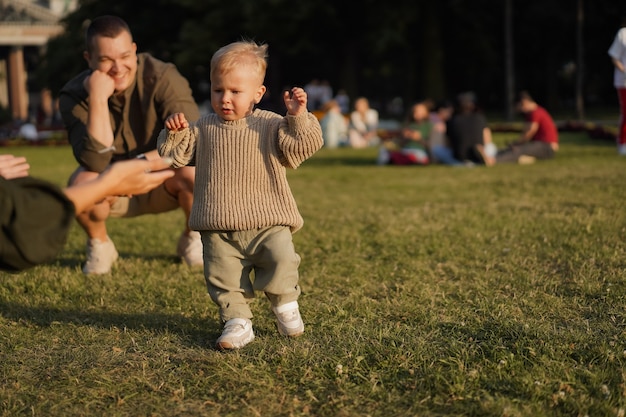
<point>179,145</point>
<point>299,137</point>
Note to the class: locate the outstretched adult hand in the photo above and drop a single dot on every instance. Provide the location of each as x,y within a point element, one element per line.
<point>134,176</point>
<point>13,166</point>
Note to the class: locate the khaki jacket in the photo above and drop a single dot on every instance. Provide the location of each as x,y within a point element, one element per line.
<point>137,117</point>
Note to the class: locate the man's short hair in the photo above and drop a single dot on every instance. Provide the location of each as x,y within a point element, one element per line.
<point>524,95</point>
<point>108,26</point>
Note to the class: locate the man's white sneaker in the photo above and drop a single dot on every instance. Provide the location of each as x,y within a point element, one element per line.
<point>621,149</point>
<point>190,248</point>
<point>288,319</point>
<point>100,256</point>
<point>236,334</point>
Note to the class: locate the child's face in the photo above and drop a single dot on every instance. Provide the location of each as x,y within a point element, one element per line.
<point>234,93</point>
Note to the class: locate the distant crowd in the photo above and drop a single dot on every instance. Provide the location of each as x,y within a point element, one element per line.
<point>446,132</point>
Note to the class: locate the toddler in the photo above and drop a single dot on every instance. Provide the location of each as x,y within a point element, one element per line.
<point>243,206</point>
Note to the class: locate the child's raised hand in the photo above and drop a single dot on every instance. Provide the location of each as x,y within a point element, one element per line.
<point>176,121</point>
<point>295,101</point>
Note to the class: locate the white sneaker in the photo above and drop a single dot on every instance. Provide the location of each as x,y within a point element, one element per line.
<point>100,256</point>
<point>190,248</point>
<point>621,149</point>
<point>236,334</point>
<point>491,150</point>
<point>484,155</point>
<point>288,319</point>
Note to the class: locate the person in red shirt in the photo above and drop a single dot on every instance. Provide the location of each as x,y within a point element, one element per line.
<point>539,139</point>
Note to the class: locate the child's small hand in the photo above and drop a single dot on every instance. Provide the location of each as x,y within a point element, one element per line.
<point>295,101</point>
<point>176,122</point>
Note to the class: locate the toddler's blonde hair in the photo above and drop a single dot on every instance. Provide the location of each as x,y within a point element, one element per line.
<point>242,53</point>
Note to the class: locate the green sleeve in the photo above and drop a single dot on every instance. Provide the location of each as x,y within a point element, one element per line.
<point>35,219</point>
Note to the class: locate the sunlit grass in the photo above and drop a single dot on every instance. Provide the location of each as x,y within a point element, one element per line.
<point>426,291</point>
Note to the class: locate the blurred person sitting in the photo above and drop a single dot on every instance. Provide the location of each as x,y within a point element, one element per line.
<point>410,148</point>
<point>344,101</point>
<point>439,144</point>
<point>538,140</point>
<point>334,125</point>
<point>363,127</point>
<point>468,130</point>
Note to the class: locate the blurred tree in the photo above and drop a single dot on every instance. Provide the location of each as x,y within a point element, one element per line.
<point>412,49</point>
<point>580,62</point>
<point>509,60</point>
<point>155,29</point>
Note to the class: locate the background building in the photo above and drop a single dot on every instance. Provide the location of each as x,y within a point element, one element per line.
<point>25,28</point>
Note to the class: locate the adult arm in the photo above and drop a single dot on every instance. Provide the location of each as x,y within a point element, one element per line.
<point>618,64</point>
<point>529,131</point>
<point>135,176</point>
<point>487,135</point>
<point>100,86</point>
<point>618,48</point>
<point>36,216</point>
<point>94,153</point>
<point>357,122</point>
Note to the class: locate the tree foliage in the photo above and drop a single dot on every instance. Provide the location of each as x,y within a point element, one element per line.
<point>411,49</point>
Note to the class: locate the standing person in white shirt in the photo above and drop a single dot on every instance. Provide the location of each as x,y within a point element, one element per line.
<point>617,52</point>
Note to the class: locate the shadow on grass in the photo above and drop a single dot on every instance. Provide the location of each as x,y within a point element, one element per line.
<point>344,156</point>
<point>76,259</point>
<point>342,160</point>
<point>583,140</point>
<point>194,332</point>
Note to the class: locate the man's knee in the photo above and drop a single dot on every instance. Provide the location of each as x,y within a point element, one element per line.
<point>81,175</point>
<point>182,181</point>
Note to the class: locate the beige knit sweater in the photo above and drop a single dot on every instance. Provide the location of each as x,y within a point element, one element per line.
<point>241,178</point>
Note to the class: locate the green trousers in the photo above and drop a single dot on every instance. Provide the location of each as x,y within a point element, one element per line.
<point>238,263</point>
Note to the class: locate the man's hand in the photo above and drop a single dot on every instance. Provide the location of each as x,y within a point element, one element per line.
<point>13,167</point>
<point>134,176</point>
<point>99,85</point>
<point>137,176</point>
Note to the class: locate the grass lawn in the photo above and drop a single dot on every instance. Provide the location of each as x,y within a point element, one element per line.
<point>427,291</point>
